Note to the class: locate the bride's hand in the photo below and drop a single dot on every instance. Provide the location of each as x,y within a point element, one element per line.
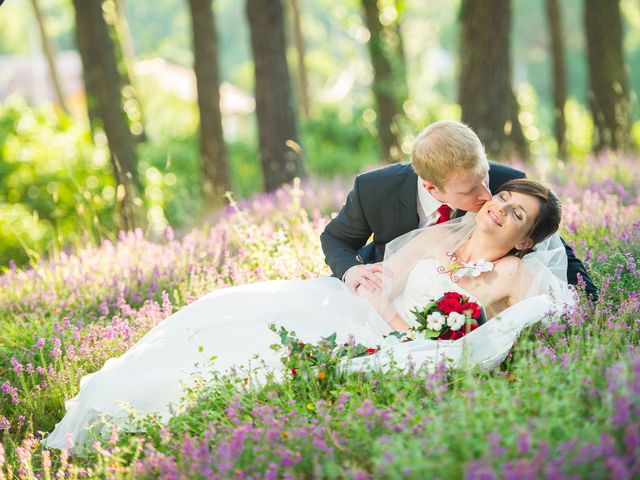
<point>367,293</point>
<point>367,276</point>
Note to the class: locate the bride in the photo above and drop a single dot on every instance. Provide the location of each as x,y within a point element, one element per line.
<point>232,324</point>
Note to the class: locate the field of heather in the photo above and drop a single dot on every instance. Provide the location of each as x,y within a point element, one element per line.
<point>566,403</point>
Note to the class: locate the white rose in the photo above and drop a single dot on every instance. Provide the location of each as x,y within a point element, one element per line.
<point>456,320</point>
<point>435,321</point>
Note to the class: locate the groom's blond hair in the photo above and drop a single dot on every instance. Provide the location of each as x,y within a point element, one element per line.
<point>444,147</point>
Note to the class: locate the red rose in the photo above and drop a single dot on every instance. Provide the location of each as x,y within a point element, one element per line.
<point>448,305</point>
<point>474,309</point>
<point>455,295</point>
<point>293,372</point>
<point>370,351</point>
<point>457,334</point>
<point>445,336</point>
<point>452,335</point>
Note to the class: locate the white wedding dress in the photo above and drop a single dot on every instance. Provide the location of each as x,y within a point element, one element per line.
<point>231,325</point>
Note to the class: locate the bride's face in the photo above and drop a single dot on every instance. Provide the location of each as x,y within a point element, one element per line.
<point>509,217</point>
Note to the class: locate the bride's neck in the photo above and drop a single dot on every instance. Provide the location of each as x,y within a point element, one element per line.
<point>481,246</point>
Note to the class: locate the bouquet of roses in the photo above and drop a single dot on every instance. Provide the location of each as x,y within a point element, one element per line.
<point>449,318</point>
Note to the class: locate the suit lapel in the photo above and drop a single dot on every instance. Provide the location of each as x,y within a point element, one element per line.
<point>407,205</point>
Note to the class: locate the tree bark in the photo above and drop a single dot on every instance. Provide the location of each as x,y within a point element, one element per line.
<point>118,26</point>
<point>280,153</point>
<point>397,55</point>
<point>300,50</point>
<point>213,151</point>
<point>388,94</point>
<point>485,91</point>
<point>608,76</point>
<point>122,27</point>
<point>103,80</point>
<point>49,54</point>
<point>559,75</point>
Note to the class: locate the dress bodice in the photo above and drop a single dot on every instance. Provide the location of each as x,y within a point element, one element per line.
<point>424,284</point>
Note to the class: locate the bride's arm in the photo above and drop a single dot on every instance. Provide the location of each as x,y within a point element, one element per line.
<point>385,308</point>
<point>506,290</point>
<point>397,323</point>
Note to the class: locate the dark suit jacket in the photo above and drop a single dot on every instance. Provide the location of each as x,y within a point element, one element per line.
<point>383,202</point>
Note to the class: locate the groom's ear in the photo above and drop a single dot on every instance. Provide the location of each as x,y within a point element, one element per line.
<point>430,187</point>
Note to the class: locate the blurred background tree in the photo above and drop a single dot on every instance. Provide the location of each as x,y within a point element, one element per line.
<point>485,85</point>
<point>608,85</point>
<point>280,151</point>
<point>49,54</point>
<point>104,83</point>
<point>343,85</point>
<point>559,75</point>
<point>213,151</point>
<point>390,90</point>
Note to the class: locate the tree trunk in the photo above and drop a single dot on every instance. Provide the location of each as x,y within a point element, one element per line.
<point>300,49</point>
<point>559,75</point>
<point>517,139</point>
<point>485,92</point>
<point>280,153</point>
<point>608,77</point>
<point>48,51</point>
<point>103,80</point>
<point>213,152</point>
<point>388,94</point>
<point>397,55</point>
<point>116,17</point>
<point>122,27</point>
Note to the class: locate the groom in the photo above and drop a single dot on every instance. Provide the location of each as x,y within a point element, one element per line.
<point>448,176</point>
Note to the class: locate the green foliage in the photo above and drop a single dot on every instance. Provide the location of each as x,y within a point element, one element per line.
<point>562,385</point>
<point>338,143</point>
<point>171,173</point>
<point>54,183</point>
<point>579,129</point>
<point>309,365</point>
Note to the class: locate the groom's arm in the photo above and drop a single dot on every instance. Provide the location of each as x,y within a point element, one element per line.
<point>347,233</point>
<point>575,267</point>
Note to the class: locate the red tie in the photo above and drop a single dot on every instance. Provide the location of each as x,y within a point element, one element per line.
<point>445,212</point>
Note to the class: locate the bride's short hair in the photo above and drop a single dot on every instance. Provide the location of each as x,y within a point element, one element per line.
<point>548,219</point>
<point>444,147</point>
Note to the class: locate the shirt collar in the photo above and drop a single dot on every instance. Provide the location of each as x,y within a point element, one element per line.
<point>428,204</point>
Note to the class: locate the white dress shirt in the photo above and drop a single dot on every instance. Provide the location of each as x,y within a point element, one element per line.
<point>428,207</point>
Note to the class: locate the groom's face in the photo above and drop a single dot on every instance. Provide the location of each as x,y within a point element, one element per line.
<point>464,190</point>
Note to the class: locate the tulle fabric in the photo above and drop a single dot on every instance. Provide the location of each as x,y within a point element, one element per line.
<point>543,271</point>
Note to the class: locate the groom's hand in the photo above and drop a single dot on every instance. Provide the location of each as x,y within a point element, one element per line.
<point>369,276</point>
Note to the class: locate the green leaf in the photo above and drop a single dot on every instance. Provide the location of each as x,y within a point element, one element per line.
<point>431,334</point>
<point>398,335</point>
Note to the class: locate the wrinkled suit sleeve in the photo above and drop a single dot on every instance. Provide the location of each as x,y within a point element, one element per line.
<point>346,234</point>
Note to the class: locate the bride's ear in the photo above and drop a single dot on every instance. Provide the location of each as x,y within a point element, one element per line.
<point>524,244</point>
